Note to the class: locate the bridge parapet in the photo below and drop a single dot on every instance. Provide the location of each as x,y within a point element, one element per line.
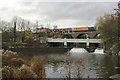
<point>65,41</point>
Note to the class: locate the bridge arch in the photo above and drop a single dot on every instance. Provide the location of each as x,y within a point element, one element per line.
<point>81,36</point>
<point>68,36</point>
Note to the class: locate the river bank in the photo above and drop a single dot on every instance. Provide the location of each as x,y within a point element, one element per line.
<point>41,50</point>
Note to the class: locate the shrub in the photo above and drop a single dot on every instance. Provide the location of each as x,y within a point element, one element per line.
<point>38,66</point>
<point>10,58</point>
<point>8,72</point>
<point>5,60</point>
<point>25,72</point>
<point>10,54</point>
<point>16,68</point>
<point>16,62</point>
<point>22,72</point>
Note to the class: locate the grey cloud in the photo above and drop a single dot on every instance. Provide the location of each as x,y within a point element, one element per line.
<point>82,13</point>
<point>67,10</point>
<point>3,9</point>
<point>86,11</point>
<point>27,3</point>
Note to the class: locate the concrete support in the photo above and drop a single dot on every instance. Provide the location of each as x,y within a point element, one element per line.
<point>65,43</point>
<point>87,44</point>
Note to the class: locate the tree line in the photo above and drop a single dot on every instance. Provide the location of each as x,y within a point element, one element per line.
<point>108,28</point>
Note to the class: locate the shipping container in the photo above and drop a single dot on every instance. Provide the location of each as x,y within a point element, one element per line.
<point>80,29</point>
<point>91,28</point>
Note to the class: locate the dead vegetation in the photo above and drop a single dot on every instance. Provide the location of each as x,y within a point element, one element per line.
<point>38,66</point>
<point>78,67</point>
<point>16,67</point>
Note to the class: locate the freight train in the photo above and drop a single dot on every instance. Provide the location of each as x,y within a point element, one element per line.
<point>77,29</point>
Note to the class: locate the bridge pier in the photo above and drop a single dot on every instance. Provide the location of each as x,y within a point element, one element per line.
<point>65,42</point>
<point>87,43</point>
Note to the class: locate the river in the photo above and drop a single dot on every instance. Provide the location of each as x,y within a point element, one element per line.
<point>85,65</point>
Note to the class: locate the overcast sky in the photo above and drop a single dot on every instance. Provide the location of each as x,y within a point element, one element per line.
<point>63,13</point>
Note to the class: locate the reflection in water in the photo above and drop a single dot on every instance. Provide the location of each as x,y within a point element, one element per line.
<point>90,65</point>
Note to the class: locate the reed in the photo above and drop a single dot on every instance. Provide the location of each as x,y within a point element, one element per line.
<point>25,72</point>
<point>38,66</point>
<point>78,65</point>
<point>8,72</point>
<point>16,67</point>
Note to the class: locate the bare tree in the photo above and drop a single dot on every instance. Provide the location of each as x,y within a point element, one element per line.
<point>107,26</point>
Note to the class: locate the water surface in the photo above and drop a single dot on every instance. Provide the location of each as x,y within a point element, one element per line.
<point>87,65</point>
